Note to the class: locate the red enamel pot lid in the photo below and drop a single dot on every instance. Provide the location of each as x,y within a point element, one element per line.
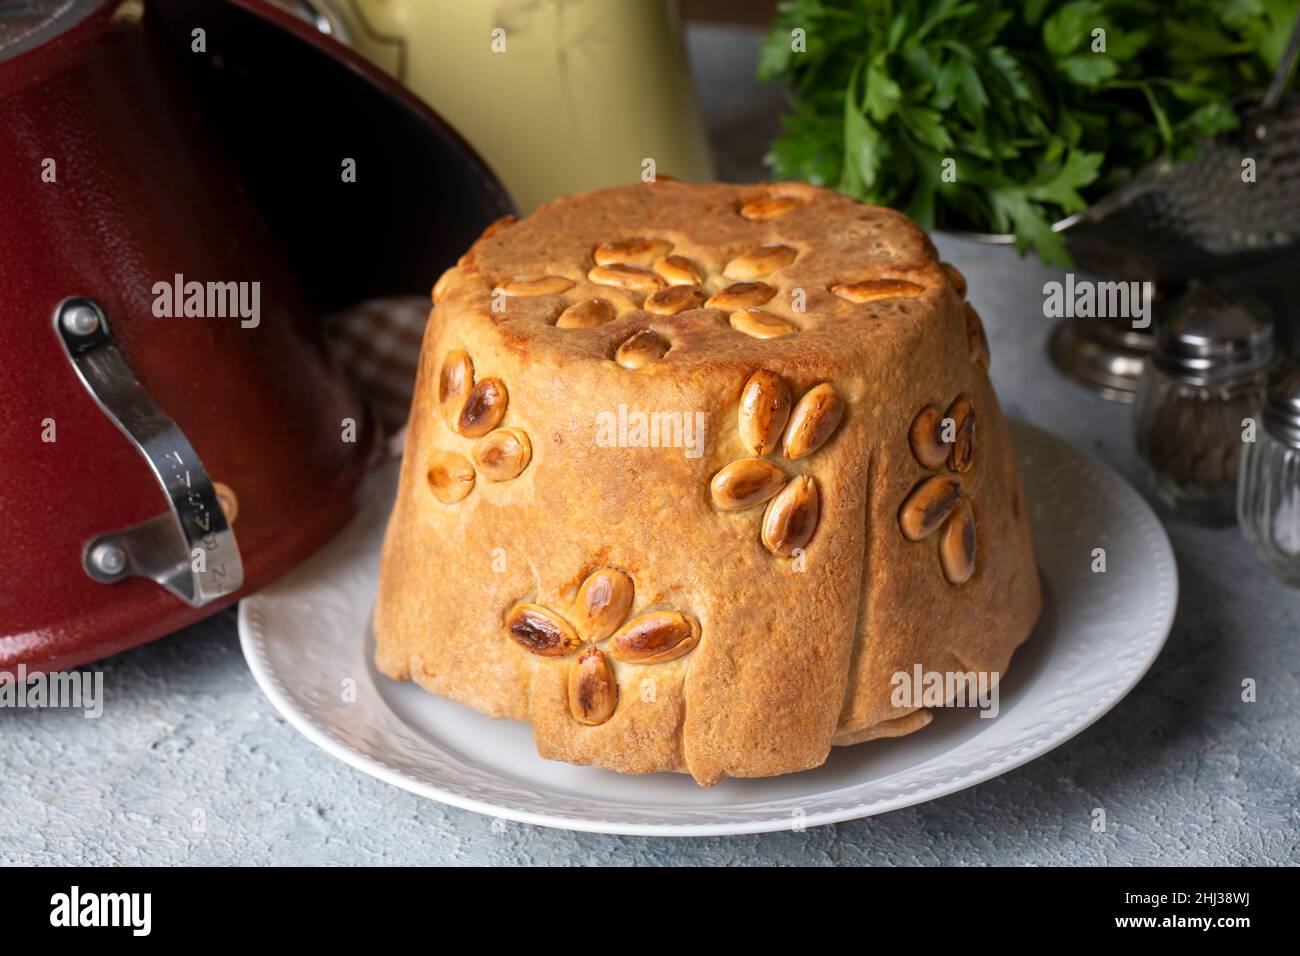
<point>136,161</point>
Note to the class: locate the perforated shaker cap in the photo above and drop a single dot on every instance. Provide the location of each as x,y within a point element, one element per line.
<point>26,24</point>
<point>1212,337</point>
<point>1282,407</point>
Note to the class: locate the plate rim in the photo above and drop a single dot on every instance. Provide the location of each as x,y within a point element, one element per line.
<point>252,634</point>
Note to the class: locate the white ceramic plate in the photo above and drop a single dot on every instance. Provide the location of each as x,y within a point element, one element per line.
<point>307,641</point>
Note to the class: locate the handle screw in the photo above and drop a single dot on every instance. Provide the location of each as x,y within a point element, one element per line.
<point>108,558</point>
<point>80,319</point>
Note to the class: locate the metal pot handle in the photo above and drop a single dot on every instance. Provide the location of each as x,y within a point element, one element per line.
<point>190,548</point>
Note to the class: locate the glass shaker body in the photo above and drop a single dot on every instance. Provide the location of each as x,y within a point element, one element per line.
<point>1189,437</point>
<point>1268,504</point>
<point>1268,496</point>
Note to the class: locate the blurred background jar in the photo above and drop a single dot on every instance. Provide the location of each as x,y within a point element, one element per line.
<point>1206,378</point>
<point>558,96</point>
<point>1268,500</point>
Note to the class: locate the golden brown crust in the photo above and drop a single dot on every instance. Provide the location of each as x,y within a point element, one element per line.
<point>795,646</point>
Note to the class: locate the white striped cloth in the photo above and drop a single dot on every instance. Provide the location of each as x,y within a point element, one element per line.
<point>378,344</point>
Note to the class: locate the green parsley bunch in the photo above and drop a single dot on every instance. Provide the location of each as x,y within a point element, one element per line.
<point>1034,107</point>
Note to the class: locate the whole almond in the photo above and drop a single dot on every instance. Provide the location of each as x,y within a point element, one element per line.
<point>955,277</point>
<point>626,277</point>
<point>976,341</point>
<point>635,252</point>
<point>957,544</point>
<point>602,604</point>
<point>655,637</point>
<point>484,408</point>
<point>961,455</point>
<point>541,631</point>
<point>503,454</point>
<point>759,262</point>
<point>593,691</point>
<point>741,295</point>
<point>926,438</point>
<point>227,500</point>
<point>678,270</point>
<point>746,483</point>
<point>450,476</point>
<point>587,314</point>
<point>674,299</point>
<point>454,383</point>
<point>497,226</point>
<point>641,348</point>
<point>791,517</point>
<point>869,290</point>
<point>813,421</point>
<point>928,506</point>
<point>526,287</point>
<point>764,410</point>
<point>770,207</point>
<point>761,325</point>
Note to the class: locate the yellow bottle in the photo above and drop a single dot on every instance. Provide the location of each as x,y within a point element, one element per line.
<point>558,96</point>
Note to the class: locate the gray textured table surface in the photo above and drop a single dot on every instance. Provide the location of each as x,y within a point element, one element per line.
<point>190,764</point>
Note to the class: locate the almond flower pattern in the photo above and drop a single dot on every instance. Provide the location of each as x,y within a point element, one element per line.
<point>671,283</point>
<point>592,630</point>
<point>474,410</point>
<point>943,442</point>
<point>647,274</point>
<point>769,419</point>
